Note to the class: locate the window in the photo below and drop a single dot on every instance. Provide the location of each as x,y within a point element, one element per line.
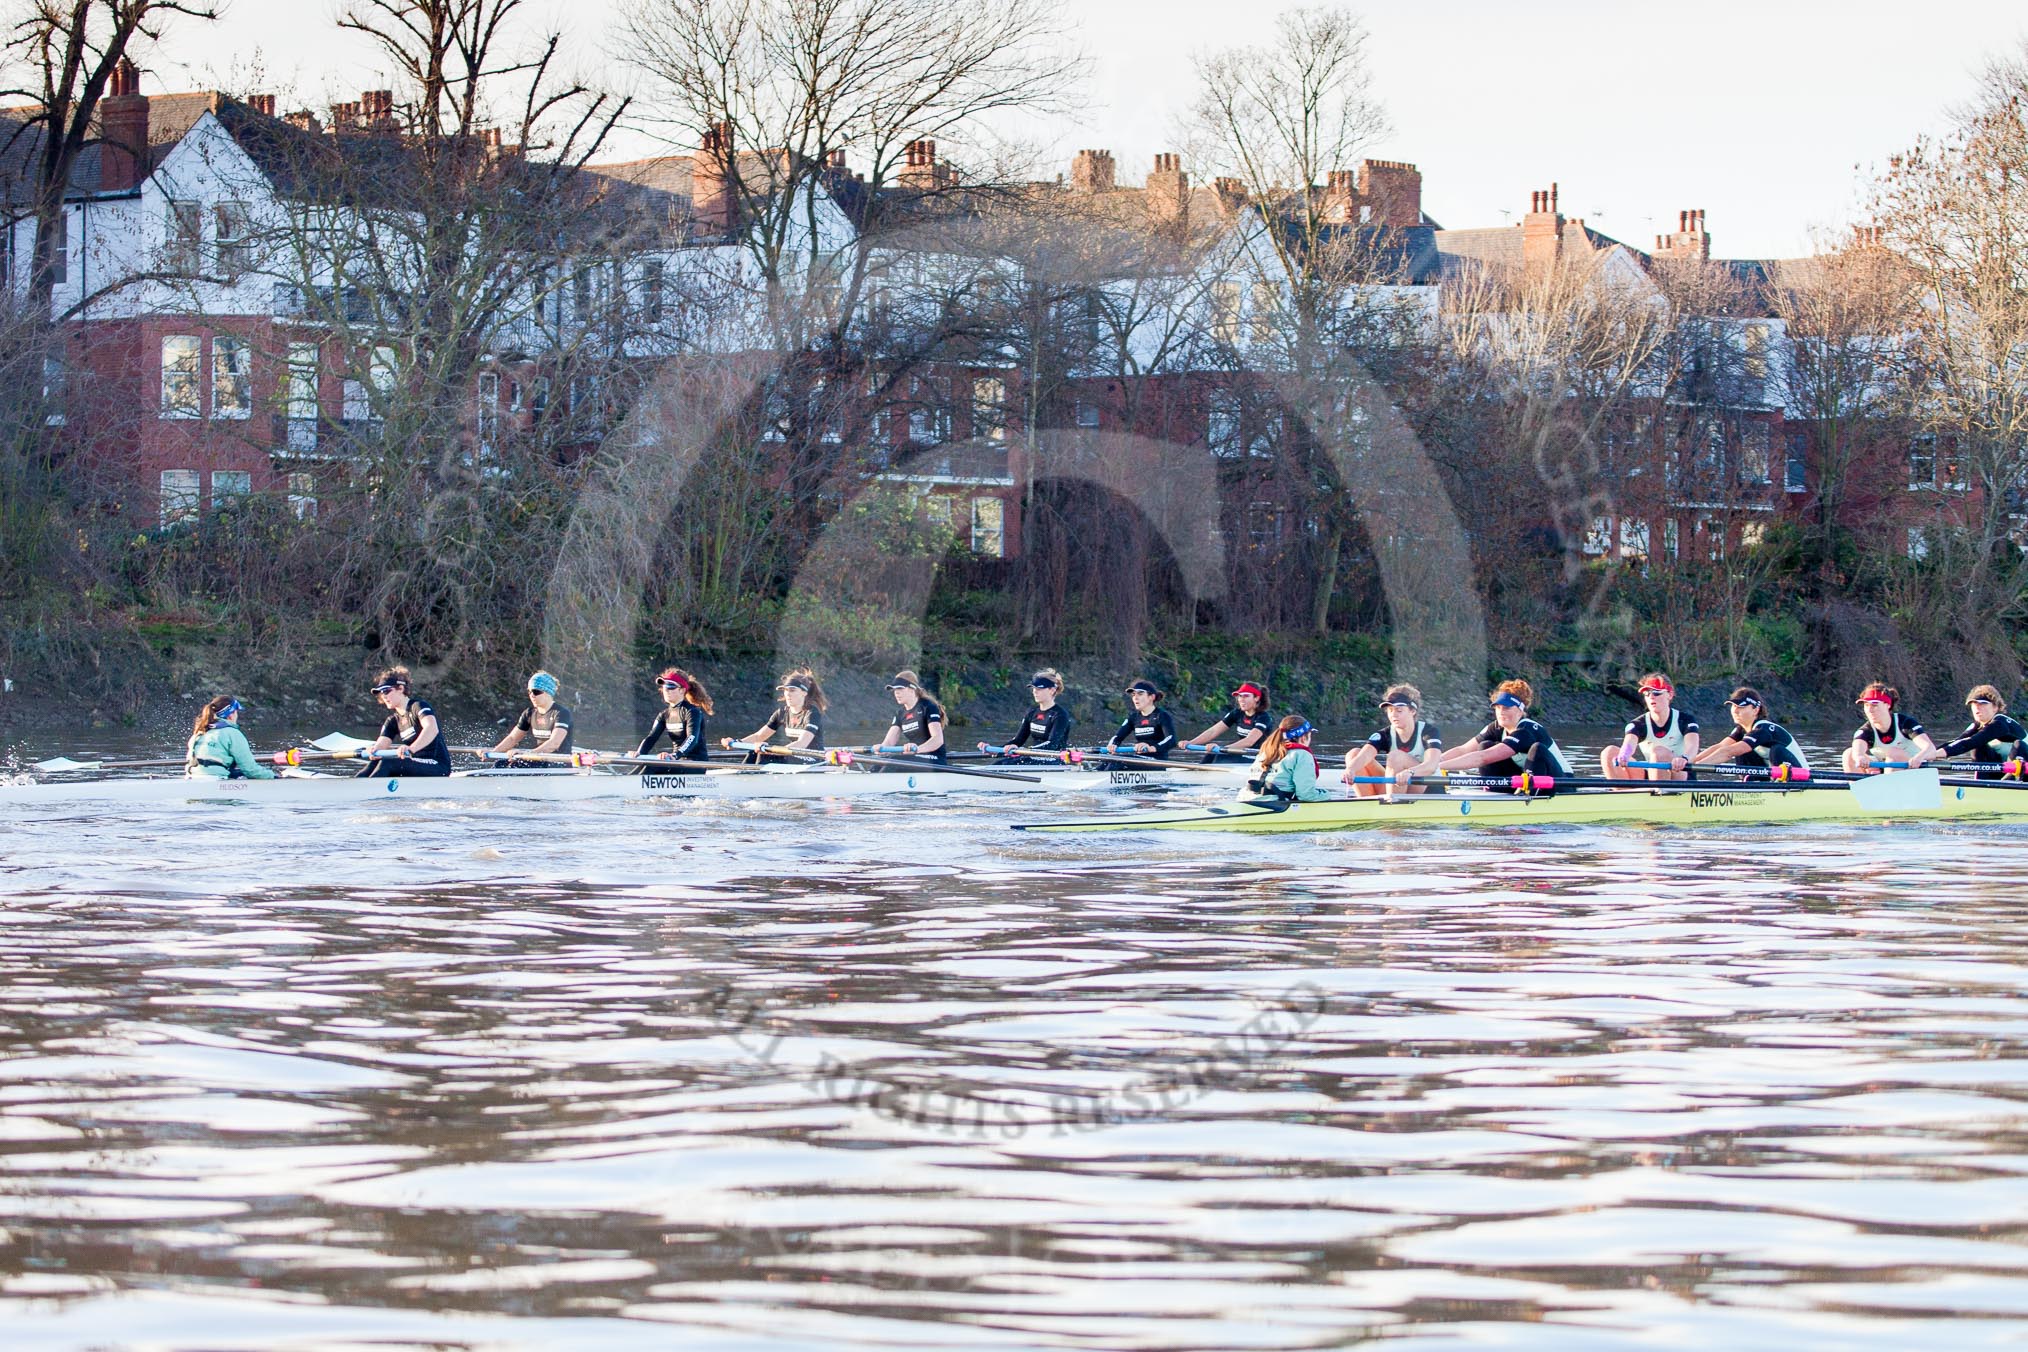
<point>488,421</point>
<point>1221,430</point>
<point>1261,438</point>
<point>774,410</point>
<point>59,250</point>
<point>989,409</point>
<point>55,385</point>
<point>1672,539</point>
<point>181,376</point>
<point>517,397</point>
<point>1266,304</point>
<point>229,228</point>
<point>1755,459</point>
<point>1094,317</point>
<point>1795,473</point>
<point>1087,415</point>
<point>1225,312</point>
<point>182,236</point>
<point>303,495</point>
<point>1633,538</point>
<point>929,422</point>
<point>231,378</point>
<point>1711,451</point>
<point>1950,471</point>
<point>1918,542</point>
<point>179,496</point>
<point>367,400</point>
<point>300,395</point>
<point>228,484</point>
<point>1598,538</point>
<point>936,509</point>
<point>581,291</point>
<point>1263,524</point>
<point>355,404</point>
<point>1752,533</point>
<point>1922,462</point>
<point>989,527</point>
<point>651,290</point>
<point>1710,532</point>
<point>1754,343</point>
<point>827,413</point>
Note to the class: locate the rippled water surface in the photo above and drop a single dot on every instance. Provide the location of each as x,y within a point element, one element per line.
<point>639,1075</point>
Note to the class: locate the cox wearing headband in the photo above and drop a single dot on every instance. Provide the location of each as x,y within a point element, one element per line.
<point>217,748</point>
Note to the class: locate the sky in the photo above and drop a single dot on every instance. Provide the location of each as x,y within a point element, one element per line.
<point>1769,116</point>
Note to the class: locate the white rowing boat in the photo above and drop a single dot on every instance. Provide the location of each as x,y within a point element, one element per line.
<point>568,786</point>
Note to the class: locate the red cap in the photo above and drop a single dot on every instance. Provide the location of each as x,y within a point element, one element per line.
<point>1657,683</point>
<point>1249,688</point>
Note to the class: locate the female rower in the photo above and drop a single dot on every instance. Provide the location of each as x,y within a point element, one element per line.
<point>1993,737</point>
<point>1753,740</point>
<point>1149,730</point>
<point>218,749</point>
<point>685,704</point>
<point>411,732</point>
<point>544,720</point>
<point>1248,716</point>
<point>1664,733</point>
<point>1047,725</point>
<point>918,728</point>
<point>1887,734</point>
<point>1287,768</point>
<point>1405,747</point>
<point>799,718</point>
<point>1512,741</point>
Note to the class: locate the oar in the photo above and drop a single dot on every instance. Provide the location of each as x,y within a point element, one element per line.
<point>1067,756</point>
<point>1786,774</point>
<point>293,756</point>
<point>1151,762</point>
<point>585,760</point>
<point>1543,784</point>
<point>800,756</point>
<point>1215,748</point>
<point>849,756</point>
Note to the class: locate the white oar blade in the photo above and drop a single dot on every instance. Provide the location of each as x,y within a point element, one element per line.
<point>338,741</point>
<point>1899,791</point>
<point>61,764</point>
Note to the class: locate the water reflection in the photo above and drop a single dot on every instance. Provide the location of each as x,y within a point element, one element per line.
<point>811,1082</point>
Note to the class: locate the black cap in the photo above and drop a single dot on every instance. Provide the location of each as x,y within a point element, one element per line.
<point>1148,686</point>
<point>901,683</point>
<point>801,683</point>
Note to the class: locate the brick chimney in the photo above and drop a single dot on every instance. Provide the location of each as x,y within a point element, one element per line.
<point>1869,237</point>
<point>123,130</point>
<point>1341,196</point>
<point>1691,240</point>
<point>305,120</point>
<point>711,206</point>
<point>264,104</point>
<point>920,169</point>
<point>1542,230</point>
<point>376,109</point>
<point>1393,191</point>
<point>344,117</point>
<point>1092,171</point>
<point>1231,192</point>
<point>1168,193</point>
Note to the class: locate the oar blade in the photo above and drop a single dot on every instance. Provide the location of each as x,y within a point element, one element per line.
<point>338,741</point>
<point>1899,791</point>
<point>61,765</point>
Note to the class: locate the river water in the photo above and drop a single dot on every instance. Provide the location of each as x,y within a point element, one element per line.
<point>649,1075</point>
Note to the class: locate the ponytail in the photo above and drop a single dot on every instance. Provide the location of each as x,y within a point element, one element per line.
<point>208,715</point>
<point>1277,744</point>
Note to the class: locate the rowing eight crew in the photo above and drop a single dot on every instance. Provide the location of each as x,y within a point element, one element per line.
<point>1406,747</point>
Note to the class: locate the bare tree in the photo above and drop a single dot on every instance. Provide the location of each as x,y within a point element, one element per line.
<point>1955,210</point>
<point>65,53</point>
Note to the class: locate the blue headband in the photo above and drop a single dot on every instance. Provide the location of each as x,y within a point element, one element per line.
<point>542,681</point>
<point>229,710</point>
<point>1503,700</point>
<point>1303,729</point>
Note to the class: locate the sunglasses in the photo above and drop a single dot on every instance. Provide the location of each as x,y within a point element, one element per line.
<point>1652,693</point>
<point>1742,704</point>
<point>671,685</point>
<point>1396,704</point>
<point>385,689</point>
<point>1981,700</point>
